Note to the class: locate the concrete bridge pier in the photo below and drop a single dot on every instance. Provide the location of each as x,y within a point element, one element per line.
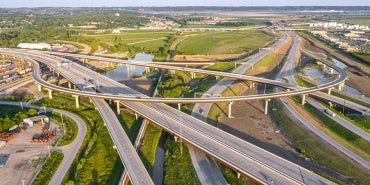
<point>175,137</point>
<point>304,99</point>
<point>50,92</point>
<point>267,105</point>
<point>69,85</point>
<point>77,100</point>
<point>238,175</point>
<point>192,75</point>
<point>179,106</point>
<point>229,112</point>
<point>147,69</point>
<point>329,91</point>
<point>39,87</point>
<point>136,116</point>
<point>331,70</point>
<point>118,103</point>
<point>341,87</point>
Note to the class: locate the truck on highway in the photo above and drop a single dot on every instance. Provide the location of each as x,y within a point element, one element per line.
<point>329,112</point>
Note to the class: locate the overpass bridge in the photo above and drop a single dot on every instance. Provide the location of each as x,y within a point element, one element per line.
<point>236,153</point>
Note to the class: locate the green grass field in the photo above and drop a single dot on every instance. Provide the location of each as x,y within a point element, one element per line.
<point>50,166</point>
<point>235,42</point>
<point>97,162</point>
<point>148,147</point>
<point>178,168</point>
<point>312,148</point>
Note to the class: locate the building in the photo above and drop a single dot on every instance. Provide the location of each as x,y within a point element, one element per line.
<point>40,46</point>
<point>116,31</point>
<point>42,119</point>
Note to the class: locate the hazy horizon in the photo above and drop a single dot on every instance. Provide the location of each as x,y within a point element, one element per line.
<point>160,3</point>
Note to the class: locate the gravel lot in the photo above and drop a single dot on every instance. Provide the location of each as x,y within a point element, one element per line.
<point>23,156</point>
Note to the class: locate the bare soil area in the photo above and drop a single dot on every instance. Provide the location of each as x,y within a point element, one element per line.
<point>23,156</point>
<point>141,84</point>
<point>251,124</point>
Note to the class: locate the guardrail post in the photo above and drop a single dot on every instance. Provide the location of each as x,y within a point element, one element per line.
<point>77,101</point>
<point>118,107</point>
<point>39,87</point>
<point>50,92</point>
<point>229,112</point>
<point>303,99</point>
<point>267,105</point>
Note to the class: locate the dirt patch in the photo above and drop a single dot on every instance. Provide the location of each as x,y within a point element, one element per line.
<point>251,124</point>
<point>141,84</point>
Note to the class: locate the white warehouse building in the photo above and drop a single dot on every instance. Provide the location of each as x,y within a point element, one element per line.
<point>34,46</point>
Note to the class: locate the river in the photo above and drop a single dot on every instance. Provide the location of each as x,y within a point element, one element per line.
<point>121,73</point>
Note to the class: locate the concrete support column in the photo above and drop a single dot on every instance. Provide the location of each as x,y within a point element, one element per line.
<point>192,75</point>
<point>229,112</point>
<point>39,87</point>
<point>331,70</point>
<point>217,77</point>
<point>69,85</point>
<point>341,87</point>
<point>179,106</point>
<point>267,106</point>
<point>118,107</point>
<point>110,102</point>
<point>136,115</point>
<point>77,101</point>
<point>303,99</point>
<point>147,69</point>
<point>111,64</point>
<point>50,92</point>
<point>252,66</point>
<point>329,91</point>
<point>238,175</point>
<point>175,138</point>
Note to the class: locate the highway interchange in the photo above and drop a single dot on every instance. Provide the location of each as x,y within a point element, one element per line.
<point>243,156</point>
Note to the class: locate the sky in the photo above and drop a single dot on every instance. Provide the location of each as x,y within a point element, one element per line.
<point>128,3</point>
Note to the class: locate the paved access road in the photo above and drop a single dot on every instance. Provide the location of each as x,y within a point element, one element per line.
<point>288,72</point>
<point>69,151</point>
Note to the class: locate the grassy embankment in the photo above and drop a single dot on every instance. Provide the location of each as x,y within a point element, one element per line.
<point>48,169</point>
<point>319,153</point>
<point>156,42</point>
<point>362,122</point>
<point>97,161</point>
<point>264,66</point>
<point>236,42</point>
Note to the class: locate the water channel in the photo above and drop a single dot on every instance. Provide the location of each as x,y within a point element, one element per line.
<point>320,75</point>
<point>121,73</point>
